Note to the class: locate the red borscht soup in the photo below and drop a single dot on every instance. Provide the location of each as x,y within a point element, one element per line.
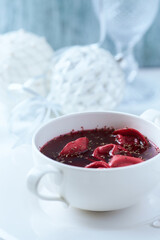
<point>100,148</point>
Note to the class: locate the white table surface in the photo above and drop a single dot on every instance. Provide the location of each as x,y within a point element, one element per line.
<point>25,218</point>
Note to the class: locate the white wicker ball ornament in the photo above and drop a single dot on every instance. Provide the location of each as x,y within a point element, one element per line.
<point>25,57</point>
<point>86,78</point>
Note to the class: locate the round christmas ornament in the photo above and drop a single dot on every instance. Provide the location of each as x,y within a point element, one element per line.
<point>86,78</point>
<point>25,59</point>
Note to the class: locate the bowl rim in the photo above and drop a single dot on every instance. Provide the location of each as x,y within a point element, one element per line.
<point>51,161</point>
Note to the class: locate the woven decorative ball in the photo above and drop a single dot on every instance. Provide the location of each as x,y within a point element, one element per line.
<point>86,78</point>
<point>25,57</point>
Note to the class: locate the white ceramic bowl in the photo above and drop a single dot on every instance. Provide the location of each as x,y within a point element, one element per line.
<point>95,189</point>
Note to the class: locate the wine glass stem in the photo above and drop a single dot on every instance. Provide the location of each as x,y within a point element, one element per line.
<point>127,62</point>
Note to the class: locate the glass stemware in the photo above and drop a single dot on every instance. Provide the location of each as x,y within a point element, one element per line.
<point>125,22</point>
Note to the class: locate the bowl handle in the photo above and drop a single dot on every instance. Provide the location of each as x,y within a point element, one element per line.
<point>152,115</point>
<point>35,176</point>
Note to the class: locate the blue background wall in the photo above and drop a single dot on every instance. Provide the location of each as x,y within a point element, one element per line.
<point>68,22</point>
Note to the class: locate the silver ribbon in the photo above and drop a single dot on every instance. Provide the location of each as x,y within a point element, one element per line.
<point>29,114</point>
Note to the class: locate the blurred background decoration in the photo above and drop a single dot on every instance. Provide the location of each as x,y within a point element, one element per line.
<point>24,60</point>
<point>85,78</point>
<point>62,56</point>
